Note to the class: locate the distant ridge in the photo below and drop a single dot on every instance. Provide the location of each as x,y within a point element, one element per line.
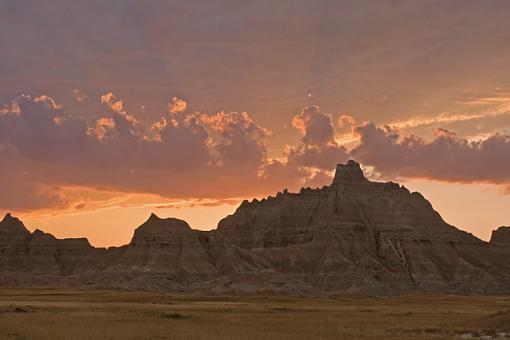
<point>353,236</point>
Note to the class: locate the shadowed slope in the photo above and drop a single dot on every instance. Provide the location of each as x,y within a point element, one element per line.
<point>354,235</point>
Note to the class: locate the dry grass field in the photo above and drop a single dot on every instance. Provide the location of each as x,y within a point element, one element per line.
<point>74,314</point>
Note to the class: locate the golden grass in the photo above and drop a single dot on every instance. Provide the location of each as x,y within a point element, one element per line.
<point>50,313</point>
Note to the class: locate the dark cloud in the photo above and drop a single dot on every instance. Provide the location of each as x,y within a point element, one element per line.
<point>183,154</point>
<point>22,190</point>
<point>318,148</point>
<point>315,126</point>
<point>240,140</point>
<point>446,157</point>
<point>37,129</point>
<point>46,153</point>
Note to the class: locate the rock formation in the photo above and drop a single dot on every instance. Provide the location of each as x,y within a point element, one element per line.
<point>39,257</point>
<point>352,236</point>
<point>501,236</point>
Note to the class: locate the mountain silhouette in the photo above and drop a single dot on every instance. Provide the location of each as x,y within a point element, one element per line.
<point>354,236</point>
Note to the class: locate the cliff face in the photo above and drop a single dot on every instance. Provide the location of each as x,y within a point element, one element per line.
<point>501,236</point>
<point>350,204</point>
<point>167,245</point>
<point>354,235</point>
<point>39,257</point>
<point>360,231</point>
<point>12,231</point>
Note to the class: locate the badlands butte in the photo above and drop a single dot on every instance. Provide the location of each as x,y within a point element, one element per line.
<point>354,236</point>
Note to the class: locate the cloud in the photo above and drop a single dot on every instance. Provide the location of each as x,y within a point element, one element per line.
<point>199,203</point>
<point>448,118</point>
<point>37,129</point>
<point>346,121</point>
<point>402,59</point>
<point>318,148</point>
<point>79,96</point>
<point>22,191</point>
<point>240,140</point>
<point>446,157</point>
<point>177,105</point>
<point>52,160</point>
<point>182,155</point>
<point>315,126</point>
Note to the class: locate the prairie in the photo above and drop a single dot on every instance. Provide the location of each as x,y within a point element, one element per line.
<point>58,313</point>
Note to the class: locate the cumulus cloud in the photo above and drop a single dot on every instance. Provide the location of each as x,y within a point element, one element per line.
<point>183,154</point>
<point>240,140</point>
<point>46,154</point>
<point>446,157</point>
<point>346,121</point>
<point>315,126</point>
<point>177,105</point>
<point>36,128</point>
<point>79,96</point>
<point>318,148</point>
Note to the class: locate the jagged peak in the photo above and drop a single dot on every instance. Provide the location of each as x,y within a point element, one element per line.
<point>349,172</point>
<point>8,217</point>
<point>153,217</point>
<point>13,224</point>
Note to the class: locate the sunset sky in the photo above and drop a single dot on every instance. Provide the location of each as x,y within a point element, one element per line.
<point>111,110</point>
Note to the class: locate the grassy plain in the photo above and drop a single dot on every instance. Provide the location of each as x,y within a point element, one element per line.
<point>51,313</point>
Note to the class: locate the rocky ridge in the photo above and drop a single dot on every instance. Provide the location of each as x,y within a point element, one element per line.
<point>353,236</point>
<point>501,236</point>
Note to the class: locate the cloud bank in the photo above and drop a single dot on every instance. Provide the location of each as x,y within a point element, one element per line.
<point>48,156</point>
<point>181,155</point>
<point>446,156</point>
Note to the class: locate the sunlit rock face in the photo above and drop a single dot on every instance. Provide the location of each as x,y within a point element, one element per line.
<point>352,236</point>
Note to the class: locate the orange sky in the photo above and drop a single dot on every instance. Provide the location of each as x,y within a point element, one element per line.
<point>109,111</point>
<point>461,205</point>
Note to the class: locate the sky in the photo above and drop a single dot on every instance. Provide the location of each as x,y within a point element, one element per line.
<point>111,110</point>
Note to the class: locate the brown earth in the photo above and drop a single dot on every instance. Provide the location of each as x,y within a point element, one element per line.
<point>76,314</point>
